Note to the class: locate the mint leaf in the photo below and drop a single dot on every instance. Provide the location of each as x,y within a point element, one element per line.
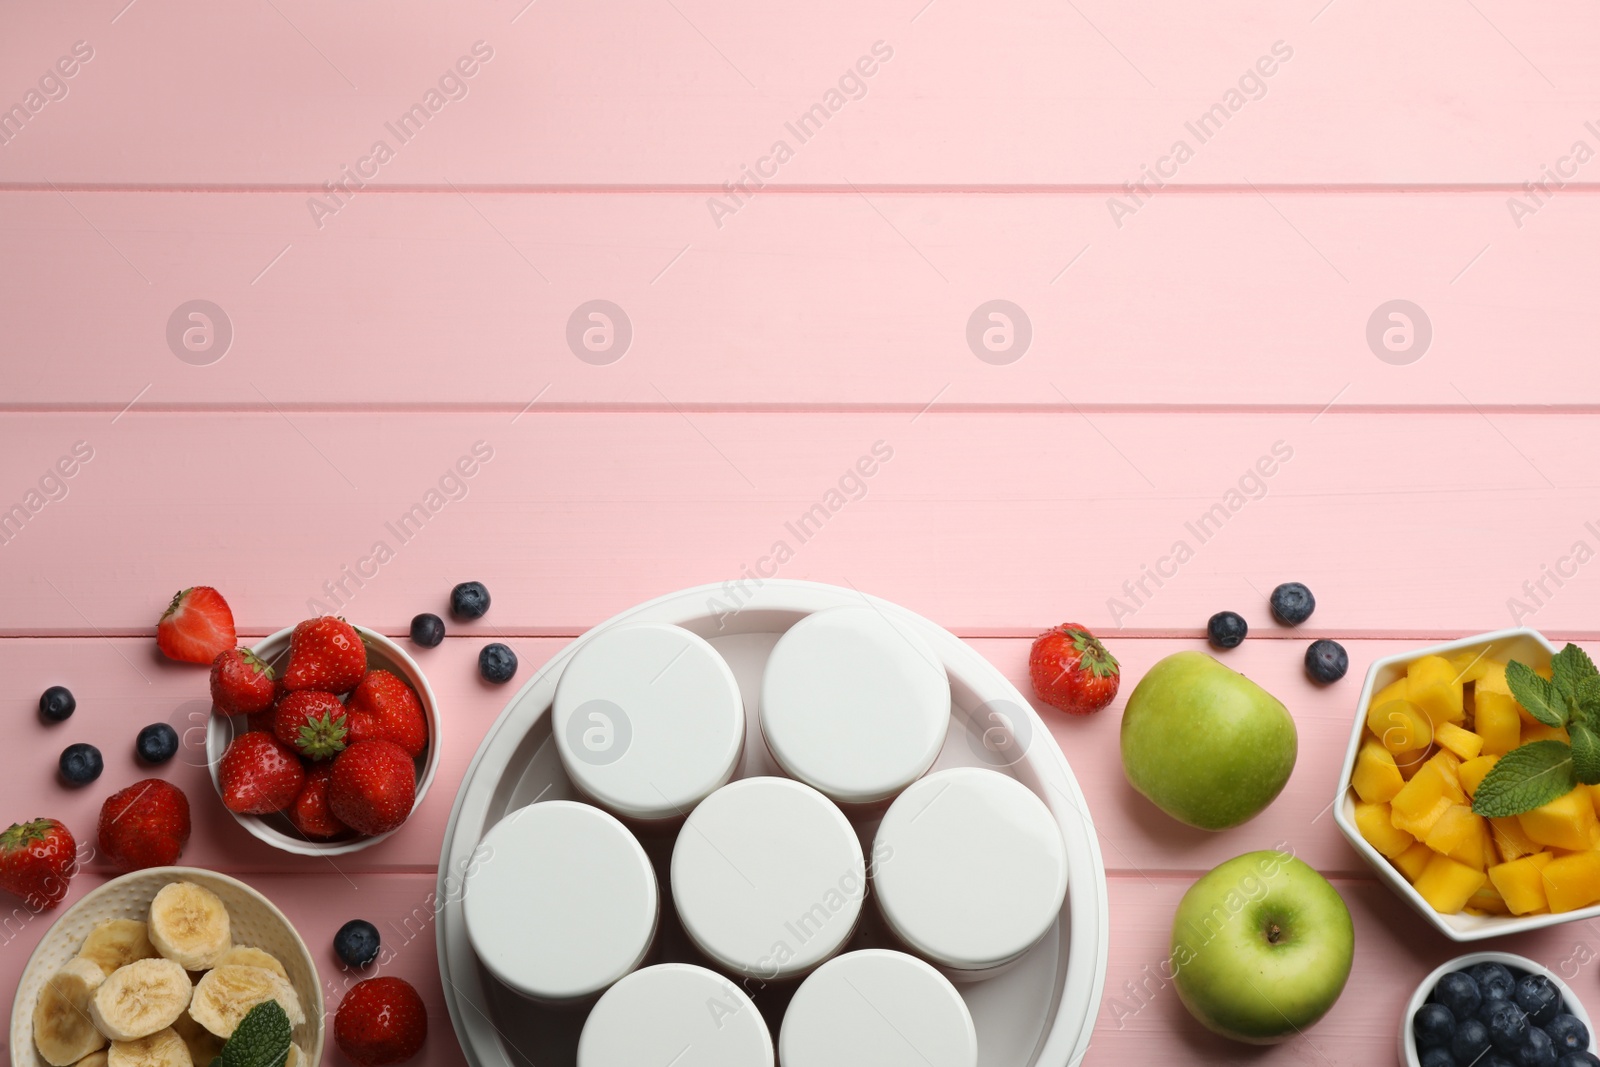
<point>1525,778</point>
<point>1588,698</point>
<point>1570,666</point>
<point>261,1039</point>
<point>1585,753</point>
<point>1536,694</point>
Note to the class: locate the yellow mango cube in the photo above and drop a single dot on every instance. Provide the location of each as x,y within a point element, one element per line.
<point>1409,763</point>
<point>1594,796</point>
<point>1474,771</point>
<point>1376,779</point>
<point>1520,884</point>
<point>1492,679</point>
<point>1413,861</point>
<point>1566,822</point>
<point>1487,901</point>
<point>1538,731</point>
<point>1419,823</point>
<point>1425,789</point>
<point>1496,720</point>
<point>1470,664</point>
<point>1395,690</point>
<point>1463,743</point>
<point>1400,726</point>
<point>1459,834</point>
<point>1372,820</point>
<point>1573,881</point>
<point>1450,771</point>
<point>1447,885</point>
<point>1511,841</point>
<point>1435,686</point>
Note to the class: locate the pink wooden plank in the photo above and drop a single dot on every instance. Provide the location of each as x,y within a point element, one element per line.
<point>814,300</point>
<point>1036,93</point>
<point>1021,517</point>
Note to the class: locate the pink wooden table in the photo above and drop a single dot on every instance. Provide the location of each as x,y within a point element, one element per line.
<point>1199,213</point>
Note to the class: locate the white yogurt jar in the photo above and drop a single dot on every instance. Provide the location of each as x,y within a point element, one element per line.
<point>648,721</point>
<point>674,1013</point>
<point>971,870</point>
<point>854,704</point>
<point>768,878</point>
<point>563,902</point>
<point>877,1008</point>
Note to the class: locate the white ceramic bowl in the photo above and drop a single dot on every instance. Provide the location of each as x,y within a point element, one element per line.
<point>1522,644</point>
<point>1408,1040</point>
<point>276,830</point>
<point>255,921</point>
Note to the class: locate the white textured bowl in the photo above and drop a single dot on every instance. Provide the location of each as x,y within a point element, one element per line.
<point>276,830</point>
<point>1408,1040</point>
<point>1526,645</point>
<point>255,920</point>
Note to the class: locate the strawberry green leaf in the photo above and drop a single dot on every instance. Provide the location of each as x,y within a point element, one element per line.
<point>1536,694</point>
<point>1585,753</point>
<point>1525,778</point>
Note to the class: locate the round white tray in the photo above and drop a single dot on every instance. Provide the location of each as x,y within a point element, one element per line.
<point>1040,1013</point>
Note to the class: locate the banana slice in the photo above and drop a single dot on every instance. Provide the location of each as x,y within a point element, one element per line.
<point>189,924</point>
<point>204,1046</point>
<point>117,943</point>
<point>226,994</point>
<point>297,1058</point>
<point>62,1028</point>
<point>160,1049</point>
<point>93,1059</point>
<point>244,956</point>
<point>139,999</point>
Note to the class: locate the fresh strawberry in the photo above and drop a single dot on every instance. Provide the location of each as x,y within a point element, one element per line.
<point>312,722</point>
<point>325,654</point>
<point>1072,670</point>
<point>361,726</point>
<point>374,784</point>
<point>310,813</point>
<point>197,626</point>
<point>145,825</point>
<point>396,708</point>
<point>381,1021</point>
<point>37,862</point>
<point>259,774</point>
<point>241,683</point>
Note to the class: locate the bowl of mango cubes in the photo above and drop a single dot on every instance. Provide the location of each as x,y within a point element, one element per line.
<point>1472,779</point>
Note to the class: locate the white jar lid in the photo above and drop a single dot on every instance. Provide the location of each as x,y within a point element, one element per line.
<point>854,703</point>
<point>563,901</point>
<point>648,720</point>
<point>768,877</point>
<point>674,1013</point>
<point>970,869</point>
<point>877,1008</point>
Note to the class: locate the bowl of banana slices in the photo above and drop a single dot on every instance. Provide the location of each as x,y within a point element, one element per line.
<point>163,968</point>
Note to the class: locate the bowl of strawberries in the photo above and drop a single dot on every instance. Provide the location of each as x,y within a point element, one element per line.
<point>323,737</point>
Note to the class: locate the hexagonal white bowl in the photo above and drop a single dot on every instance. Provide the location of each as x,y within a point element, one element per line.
<point>1408,1040</point>
<point>255,920</point>
<point>1523,644</point>
<point>381,653</point>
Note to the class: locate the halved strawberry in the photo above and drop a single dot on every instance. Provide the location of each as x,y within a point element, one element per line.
<point>197,626</point>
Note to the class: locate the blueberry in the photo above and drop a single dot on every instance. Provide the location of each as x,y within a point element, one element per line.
<point>1493,979</point>
<point>1437,1057</point>
<point>1578,1059</point>
<point>469,600</point>
<point>1471,1040</point>
<point>81,764</point>
<point>1226,629</point>
<point>356,943</point>
<point>427,630</point>
<point>1458,992</point>
<point>1433,1026</point>
<point>157,743</point>
<point>1568,1033</point>
<point>1292,603</point>
<point>1536,1050</point>
<point>497,663</point>
<point>1538,996</point>
<point>1508,1027</point>
<point>57,704</point>
<point>1326,661</point>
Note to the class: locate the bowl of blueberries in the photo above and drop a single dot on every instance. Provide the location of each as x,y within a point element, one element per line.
<point>1493,1009</point>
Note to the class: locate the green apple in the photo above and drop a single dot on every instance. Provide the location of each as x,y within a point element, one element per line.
<point>1261,946</point>
<point>1209,746</point>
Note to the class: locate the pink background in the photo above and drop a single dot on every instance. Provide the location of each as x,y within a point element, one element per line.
<point>1225,314</point>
